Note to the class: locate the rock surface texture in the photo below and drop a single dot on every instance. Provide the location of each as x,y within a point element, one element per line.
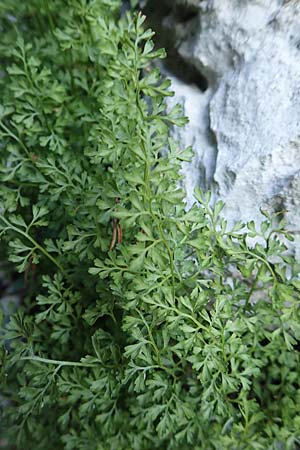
<point>245,119</point>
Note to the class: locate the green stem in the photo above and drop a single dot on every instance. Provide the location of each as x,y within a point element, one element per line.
<point>57,362</point>
<point>170,254</point>
<point>148,194</point>
<point>253,288</point>
<point>16,138</point>
<point>264,261</point>
<point>37,246</point>
<point>50,19</point>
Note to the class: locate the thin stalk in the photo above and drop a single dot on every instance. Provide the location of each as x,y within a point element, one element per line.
<point>56,362</point>
<point>36,244</point>
<point>16,138</point>
<point>148,194</point>
<point>264,261</point>
<point>61,363</point>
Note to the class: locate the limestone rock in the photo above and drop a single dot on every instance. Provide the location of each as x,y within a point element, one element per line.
<point>196,134</point>
<point>249,53</point>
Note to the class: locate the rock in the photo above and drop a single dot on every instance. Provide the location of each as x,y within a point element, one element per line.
<point>249,54</point>
<point>196,134</point>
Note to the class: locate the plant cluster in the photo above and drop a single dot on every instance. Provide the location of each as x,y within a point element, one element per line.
<point>142,325</point>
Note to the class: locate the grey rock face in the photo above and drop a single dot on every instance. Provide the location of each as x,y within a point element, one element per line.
<point>196,134</point>
<point>245,127</point>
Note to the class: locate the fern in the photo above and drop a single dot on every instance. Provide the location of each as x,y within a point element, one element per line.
<point>142,325</point>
